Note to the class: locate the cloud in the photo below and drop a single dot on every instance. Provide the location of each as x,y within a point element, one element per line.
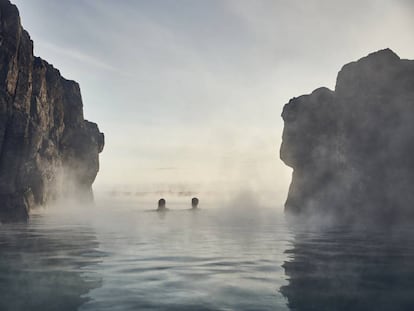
<point>77,55</point>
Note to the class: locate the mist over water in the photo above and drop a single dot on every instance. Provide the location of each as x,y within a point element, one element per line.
<point>125,257</point>
<point>238,255</point>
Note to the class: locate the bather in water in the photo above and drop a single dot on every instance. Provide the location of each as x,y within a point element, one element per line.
<point>194,203</point>
<point>161,206</point>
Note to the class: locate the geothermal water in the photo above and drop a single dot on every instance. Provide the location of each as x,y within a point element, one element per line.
<point>119,256</point>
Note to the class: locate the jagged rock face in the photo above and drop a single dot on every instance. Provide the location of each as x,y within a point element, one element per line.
<point>47,149</point>
<point>352,149</point>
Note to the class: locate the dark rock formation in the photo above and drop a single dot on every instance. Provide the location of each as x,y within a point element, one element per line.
<point>352,149</point>
<point>47,149</point>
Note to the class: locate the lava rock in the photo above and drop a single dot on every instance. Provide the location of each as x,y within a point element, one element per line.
<point>352,149</point>
<point>47,148</point>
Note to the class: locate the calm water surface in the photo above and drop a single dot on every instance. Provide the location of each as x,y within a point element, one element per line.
<point>125,258</point>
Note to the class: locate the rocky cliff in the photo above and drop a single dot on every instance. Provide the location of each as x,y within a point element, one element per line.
<point>352,149</point>
<point>47,149</point>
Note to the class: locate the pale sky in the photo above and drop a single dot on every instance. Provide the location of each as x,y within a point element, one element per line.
<point>189,93</point>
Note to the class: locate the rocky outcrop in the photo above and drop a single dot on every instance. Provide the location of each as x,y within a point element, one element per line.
<point>352,149</point>
<point>47,149</point>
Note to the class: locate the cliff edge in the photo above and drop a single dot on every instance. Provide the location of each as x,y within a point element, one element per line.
<point>47,148</point>
<point>352,149</point>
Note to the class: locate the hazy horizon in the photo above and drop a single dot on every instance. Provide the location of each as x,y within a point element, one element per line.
<point>189,94</point>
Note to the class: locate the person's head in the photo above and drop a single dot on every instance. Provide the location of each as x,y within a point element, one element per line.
<point>194,202</point>
<point>161,203</point>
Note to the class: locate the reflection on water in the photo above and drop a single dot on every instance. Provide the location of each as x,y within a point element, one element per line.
<point>41,265</point>
<point>123,258</point>
<point>184,260</point>
<point>351,270</point>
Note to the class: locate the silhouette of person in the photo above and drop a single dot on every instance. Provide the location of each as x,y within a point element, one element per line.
<point>194,203</point>
<point>161,205</point>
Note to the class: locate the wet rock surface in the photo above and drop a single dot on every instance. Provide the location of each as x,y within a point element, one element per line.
<point>351,149</point>
<point>47,148</point>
